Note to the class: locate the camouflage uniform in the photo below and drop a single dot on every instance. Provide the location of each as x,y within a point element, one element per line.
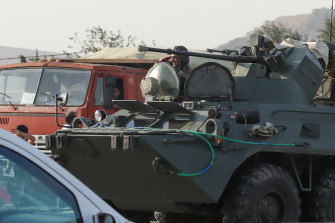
<point>183,71</point>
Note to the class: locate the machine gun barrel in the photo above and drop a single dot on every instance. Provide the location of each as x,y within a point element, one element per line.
<point>225,51</point>
<point>237,58</point>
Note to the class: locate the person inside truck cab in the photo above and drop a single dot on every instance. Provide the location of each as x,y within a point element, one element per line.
<point>181,64</point>
<point>22,132</point>
<point>117,93</point>
<point>117,96</point>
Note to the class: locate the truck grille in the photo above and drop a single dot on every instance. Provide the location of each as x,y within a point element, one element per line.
<point>4,120</point>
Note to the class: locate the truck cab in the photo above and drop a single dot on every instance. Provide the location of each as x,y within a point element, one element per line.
<point>27,92</point>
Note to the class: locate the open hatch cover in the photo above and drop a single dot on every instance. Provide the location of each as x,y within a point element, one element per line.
<point>210,81</point>
<point>169,107</point>
<point>135,106</point>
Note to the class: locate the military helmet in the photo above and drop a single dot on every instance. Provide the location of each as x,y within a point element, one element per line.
<point>184,59</point>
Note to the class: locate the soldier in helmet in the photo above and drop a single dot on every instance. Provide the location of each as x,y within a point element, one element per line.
<point>180,63</point>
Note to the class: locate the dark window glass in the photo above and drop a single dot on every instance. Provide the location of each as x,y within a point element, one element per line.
<point>99,89</point>
<point>58,81</point>
<point>30,195</point>
<point>19,86</point>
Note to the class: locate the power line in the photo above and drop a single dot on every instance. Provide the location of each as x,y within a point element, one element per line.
<point>50,55</point>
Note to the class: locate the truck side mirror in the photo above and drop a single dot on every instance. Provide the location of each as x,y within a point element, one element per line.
<point>62,99</point>
<point>110,83</point>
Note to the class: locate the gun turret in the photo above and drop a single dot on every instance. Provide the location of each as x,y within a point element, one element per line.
<point>299,70</point>
<point>235,58</point>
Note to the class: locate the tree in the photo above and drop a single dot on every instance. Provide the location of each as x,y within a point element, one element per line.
<point>97,38</point>
<point>278,31</point>
<point>324,33</point>
<point>22,59</point>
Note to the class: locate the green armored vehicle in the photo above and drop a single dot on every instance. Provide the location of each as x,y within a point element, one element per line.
<point>256,146</point>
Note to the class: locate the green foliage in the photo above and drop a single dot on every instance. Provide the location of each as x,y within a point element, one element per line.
<point>34,59</point>
<point>22,59</point>
<point>70,55</point>
<point>38,58</point>
<point>98,38</point>
<point>278,32</point>
<point>324,33</point>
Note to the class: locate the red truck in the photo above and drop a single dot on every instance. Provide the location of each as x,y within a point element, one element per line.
<point>27,90</point>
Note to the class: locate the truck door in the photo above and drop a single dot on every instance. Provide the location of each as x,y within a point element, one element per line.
<point>108,88</point>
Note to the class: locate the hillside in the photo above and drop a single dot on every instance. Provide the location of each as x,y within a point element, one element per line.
<point>306,24</point>
<point>12,52</point>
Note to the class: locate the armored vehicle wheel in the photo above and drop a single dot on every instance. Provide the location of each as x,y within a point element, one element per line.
<point>322,207</point>
<point>265,193</point>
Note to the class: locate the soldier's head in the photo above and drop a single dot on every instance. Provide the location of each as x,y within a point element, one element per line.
<point>180,61</point>
<point>22,128</point>
<point>20,131</point>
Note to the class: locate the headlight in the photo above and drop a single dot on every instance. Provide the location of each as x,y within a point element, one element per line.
<point>99,115</point>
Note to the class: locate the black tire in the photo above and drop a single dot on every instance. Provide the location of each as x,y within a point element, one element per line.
<point>265,193</point>
<point>322,208</point>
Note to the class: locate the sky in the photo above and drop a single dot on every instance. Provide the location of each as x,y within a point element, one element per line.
<point>197,24</point>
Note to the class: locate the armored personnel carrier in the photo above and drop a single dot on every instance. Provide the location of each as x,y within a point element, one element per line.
<point>256,146</point>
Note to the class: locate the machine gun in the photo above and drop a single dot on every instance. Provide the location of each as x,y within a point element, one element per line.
<point>235,58</point>
<point>224,51</point>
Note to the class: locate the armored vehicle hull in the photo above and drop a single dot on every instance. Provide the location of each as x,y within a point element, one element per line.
<point>254,148</point>
<point>128,177</point>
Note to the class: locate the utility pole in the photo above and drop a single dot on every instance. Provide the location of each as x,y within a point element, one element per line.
<point>331,23</point>
<point>36,55</point>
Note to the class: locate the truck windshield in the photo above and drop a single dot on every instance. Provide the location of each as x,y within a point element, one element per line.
<point>18,86</point>
<point>39,86</point>
<point>58,81</point>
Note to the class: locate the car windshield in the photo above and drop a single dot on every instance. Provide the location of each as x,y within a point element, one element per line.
<point>28,194</point>
<point>37,86</point>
